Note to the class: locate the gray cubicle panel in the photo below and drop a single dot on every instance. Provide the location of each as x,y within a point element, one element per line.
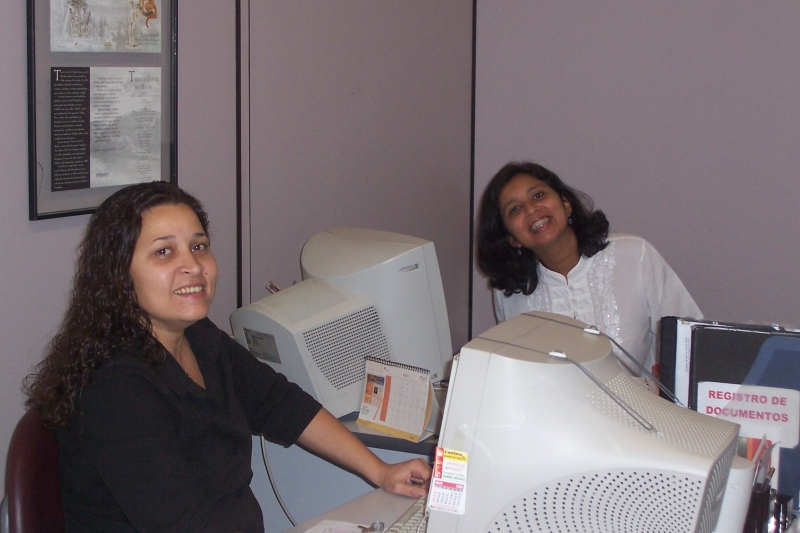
<point>357,113</point>
<point>680,119</point>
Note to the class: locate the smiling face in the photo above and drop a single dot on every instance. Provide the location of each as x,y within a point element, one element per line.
<point>173,270</point>
<point>535,216</point>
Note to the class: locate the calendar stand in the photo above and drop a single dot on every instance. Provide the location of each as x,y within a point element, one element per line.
<point>399,400</point>
<point>376,439</point>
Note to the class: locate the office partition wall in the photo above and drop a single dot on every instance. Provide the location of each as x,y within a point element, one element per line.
<point>680,119</point>
<point>354,113</point>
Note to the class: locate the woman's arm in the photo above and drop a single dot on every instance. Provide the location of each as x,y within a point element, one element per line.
<point>281,411</point>
<point>665,292</point>
<point>326,436</point>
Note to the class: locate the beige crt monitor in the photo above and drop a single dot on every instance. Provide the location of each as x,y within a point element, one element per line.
<point>550,450</point>
<point>365,293</point>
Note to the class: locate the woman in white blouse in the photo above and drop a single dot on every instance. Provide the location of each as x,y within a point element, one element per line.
<point>543,247</point>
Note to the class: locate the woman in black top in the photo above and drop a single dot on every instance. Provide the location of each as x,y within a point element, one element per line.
<point>154,406</point>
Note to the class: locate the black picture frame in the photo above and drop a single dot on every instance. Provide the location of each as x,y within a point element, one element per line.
<point>102,100</point>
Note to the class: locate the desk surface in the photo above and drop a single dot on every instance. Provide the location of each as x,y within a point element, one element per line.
<point>377,505</point>
<point>375,439</point>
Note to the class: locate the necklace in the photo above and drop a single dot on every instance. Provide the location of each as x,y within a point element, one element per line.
<point>183,365</point>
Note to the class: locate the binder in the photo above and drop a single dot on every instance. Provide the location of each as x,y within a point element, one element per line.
<point>398,400</point>
<point>704,350</point>
<point>746,373</point>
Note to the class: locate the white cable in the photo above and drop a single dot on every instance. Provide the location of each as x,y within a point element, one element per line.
<point>272,482</point>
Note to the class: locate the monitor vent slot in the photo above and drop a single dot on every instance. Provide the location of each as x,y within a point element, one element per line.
<point>304,300</point>
<point>339,347</point>
<point>717,481</point>
<point>630,501</point>
<point>680,427</point>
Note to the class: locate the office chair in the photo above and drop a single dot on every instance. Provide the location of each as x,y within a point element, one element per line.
<point>33,490</point>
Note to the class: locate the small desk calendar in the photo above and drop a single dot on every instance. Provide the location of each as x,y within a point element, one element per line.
<point>449,483</point>
<point>398,400</point>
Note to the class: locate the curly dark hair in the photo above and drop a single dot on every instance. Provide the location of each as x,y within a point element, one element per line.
<point>499,261</point>
<point>103,316</point>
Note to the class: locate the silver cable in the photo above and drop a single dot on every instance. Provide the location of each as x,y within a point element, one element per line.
<point>611,394</point>
<point>272,482</point>
<point>561,355</point>
<point>593,330</point>
<point>423,524</point>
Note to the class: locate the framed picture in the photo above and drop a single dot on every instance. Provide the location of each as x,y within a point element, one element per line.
<point>102,100</point>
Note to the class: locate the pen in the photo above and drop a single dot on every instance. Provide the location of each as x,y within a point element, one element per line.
<point>770,472</point>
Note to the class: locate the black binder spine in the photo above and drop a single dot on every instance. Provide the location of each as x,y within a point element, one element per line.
<point>669,333</point>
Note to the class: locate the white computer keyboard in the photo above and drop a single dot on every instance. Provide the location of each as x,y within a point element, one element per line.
<point>413,521</point>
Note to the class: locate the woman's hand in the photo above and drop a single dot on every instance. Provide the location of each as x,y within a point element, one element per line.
<point>409,478</point>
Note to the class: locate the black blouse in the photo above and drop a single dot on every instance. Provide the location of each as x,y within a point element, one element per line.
<point>149,450</point>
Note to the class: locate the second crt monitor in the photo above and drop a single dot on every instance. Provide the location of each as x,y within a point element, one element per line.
<point>558,437</point>
<point>365,293</point>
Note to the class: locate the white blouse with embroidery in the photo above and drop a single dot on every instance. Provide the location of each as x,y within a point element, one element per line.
<point>624,290</point>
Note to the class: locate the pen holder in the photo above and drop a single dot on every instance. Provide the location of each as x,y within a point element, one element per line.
<point>758,513</point>
<point>781,516</point>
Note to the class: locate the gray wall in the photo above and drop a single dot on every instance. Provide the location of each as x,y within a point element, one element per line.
<point>360,116</point>
<point>37,258</point>
<point>681,120</point>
